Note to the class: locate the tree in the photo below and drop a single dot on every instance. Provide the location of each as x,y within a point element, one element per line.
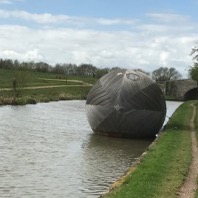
<point>69,69</point>
<point>6,64</point>
<point>165,74</point>
<point>194,52</point>
<point>193,71</point>
<point>58,69</point>
<point>86,70</point>
<point>20,79</point>
<point>40,66</point>
<point>101,72</point>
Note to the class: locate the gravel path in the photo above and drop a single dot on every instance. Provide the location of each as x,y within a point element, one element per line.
<point>190,184</point>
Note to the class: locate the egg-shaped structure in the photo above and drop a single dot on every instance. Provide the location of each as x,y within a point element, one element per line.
<point>126,103</point>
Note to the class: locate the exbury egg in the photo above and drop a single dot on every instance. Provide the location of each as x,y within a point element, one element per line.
<point>126,103</point>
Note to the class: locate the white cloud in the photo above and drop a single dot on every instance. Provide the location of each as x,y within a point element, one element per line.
<point>38,18</point>
<point>168,17</point>
<point>8,1</point>
<point>164,58</point>
<point>47,18</point>
<point>31,55</point>
<point>104,21</point>
<point>149,46</point>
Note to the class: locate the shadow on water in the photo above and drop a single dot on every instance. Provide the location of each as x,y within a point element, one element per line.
<point>113,143</point>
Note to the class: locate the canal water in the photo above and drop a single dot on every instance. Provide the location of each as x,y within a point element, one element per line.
<point>49,150</point>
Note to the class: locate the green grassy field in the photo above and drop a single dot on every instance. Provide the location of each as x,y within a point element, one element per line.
<point>70,87</point>
<point>162,170</point>
<point>42,79</point>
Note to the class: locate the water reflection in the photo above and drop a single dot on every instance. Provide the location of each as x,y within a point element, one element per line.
<point>49,150</point>
<point>106,159</point>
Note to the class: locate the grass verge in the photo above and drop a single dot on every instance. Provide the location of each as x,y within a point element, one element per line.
<point>196,120</point>
<point>162,170</point>
<point>32,96</point>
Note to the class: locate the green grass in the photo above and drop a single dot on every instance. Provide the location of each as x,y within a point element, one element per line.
<point>37,79</point>
<point>6,77</point>
<point>164,167</point>
<point>32,96</point>
<point>86,79</point>
<point>41,79</point>
<point>196,120</point>
<point>77,92</point>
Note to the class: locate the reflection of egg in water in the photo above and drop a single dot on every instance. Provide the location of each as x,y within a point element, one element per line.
<point>126,103</point>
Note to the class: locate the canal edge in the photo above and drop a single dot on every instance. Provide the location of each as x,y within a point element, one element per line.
<point>118,182</point>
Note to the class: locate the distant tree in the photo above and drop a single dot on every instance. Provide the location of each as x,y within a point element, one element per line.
<point>165,74</point>
<point>86,70</point>
<point>58,69</point>
<point>193,71</point>
<point>16,64</point>
<point>69,69</point>
<point>6,64</point>
<point>102,72</point>
<point>40,66</point>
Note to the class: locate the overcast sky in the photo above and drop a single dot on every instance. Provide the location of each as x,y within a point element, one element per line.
<point>145,34</point>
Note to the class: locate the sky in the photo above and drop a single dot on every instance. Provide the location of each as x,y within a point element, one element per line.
<point>143,34</point>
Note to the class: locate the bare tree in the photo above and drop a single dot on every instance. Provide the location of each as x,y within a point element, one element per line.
<point>193,71</point>
<point>194,53</point>
<point>165,74</point>
<point>19,81</point>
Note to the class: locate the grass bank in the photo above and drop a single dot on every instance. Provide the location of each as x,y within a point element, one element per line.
<point>162,170</point>
<point>33,96</point>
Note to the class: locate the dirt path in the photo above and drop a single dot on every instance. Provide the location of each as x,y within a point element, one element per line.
<point>63,80</point>
<point>189,187</point>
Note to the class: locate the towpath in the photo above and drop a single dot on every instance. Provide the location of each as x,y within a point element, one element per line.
<point>189,187</point>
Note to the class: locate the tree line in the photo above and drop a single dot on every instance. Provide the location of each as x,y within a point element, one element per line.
<point>69,69</point>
